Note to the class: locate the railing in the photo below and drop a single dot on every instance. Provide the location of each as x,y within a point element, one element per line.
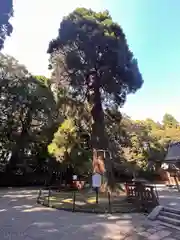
<point>44,198</point>
<point>143,196</point>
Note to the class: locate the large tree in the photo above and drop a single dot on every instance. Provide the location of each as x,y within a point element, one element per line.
<point>90,57</point>
<point>27,110</point>
<point>6,12</point>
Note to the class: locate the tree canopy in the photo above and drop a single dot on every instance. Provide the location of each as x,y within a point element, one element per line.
<point>27,107</point>
<point>6,12</point>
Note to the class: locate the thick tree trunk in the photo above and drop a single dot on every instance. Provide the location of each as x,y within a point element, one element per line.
<point>21,141</point>
<point>99,138</point>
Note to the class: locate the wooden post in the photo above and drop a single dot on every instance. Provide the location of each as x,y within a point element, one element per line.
<point>127,188</point>
<point>49,195</point>
<point>177,183</point>
<point>74,200</point>
<point>39,196</point>
<point>109,202</point>
<point>97,195</point>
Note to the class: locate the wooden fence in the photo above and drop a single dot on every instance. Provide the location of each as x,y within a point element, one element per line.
<point>145,197</point>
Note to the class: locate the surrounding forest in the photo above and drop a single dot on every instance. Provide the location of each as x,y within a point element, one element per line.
<point>56,124</point>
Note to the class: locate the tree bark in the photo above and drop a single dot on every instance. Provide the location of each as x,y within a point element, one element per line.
<point>99,140</point>
<point>21,141</point>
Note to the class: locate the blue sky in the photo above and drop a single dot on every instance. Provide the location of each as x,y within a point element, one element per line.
<point>152,30</point>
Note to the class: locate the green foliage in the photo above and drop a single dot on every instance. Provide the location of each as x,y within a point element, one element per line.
<point>10,68</point>
<point>43,80</point>
<point>6,12</point>
<point>27,111</point>
<point>169,121</point>
<point>157,135</point>
<point>64,139</point>
<point>90,41</point>
<point>67,147</point>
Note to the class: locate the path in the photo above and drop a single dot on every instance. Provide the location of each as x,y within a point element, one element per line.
<point>169,197</point>
<point>22,219</point>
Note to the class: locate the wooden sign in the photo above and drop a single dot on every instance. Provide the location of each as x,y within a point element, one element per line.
<point>96,180</point>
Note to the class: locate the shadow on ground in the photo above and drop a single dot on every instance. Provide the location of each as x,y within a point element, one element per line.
<point>22,218</point>
<point>169,197</point>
